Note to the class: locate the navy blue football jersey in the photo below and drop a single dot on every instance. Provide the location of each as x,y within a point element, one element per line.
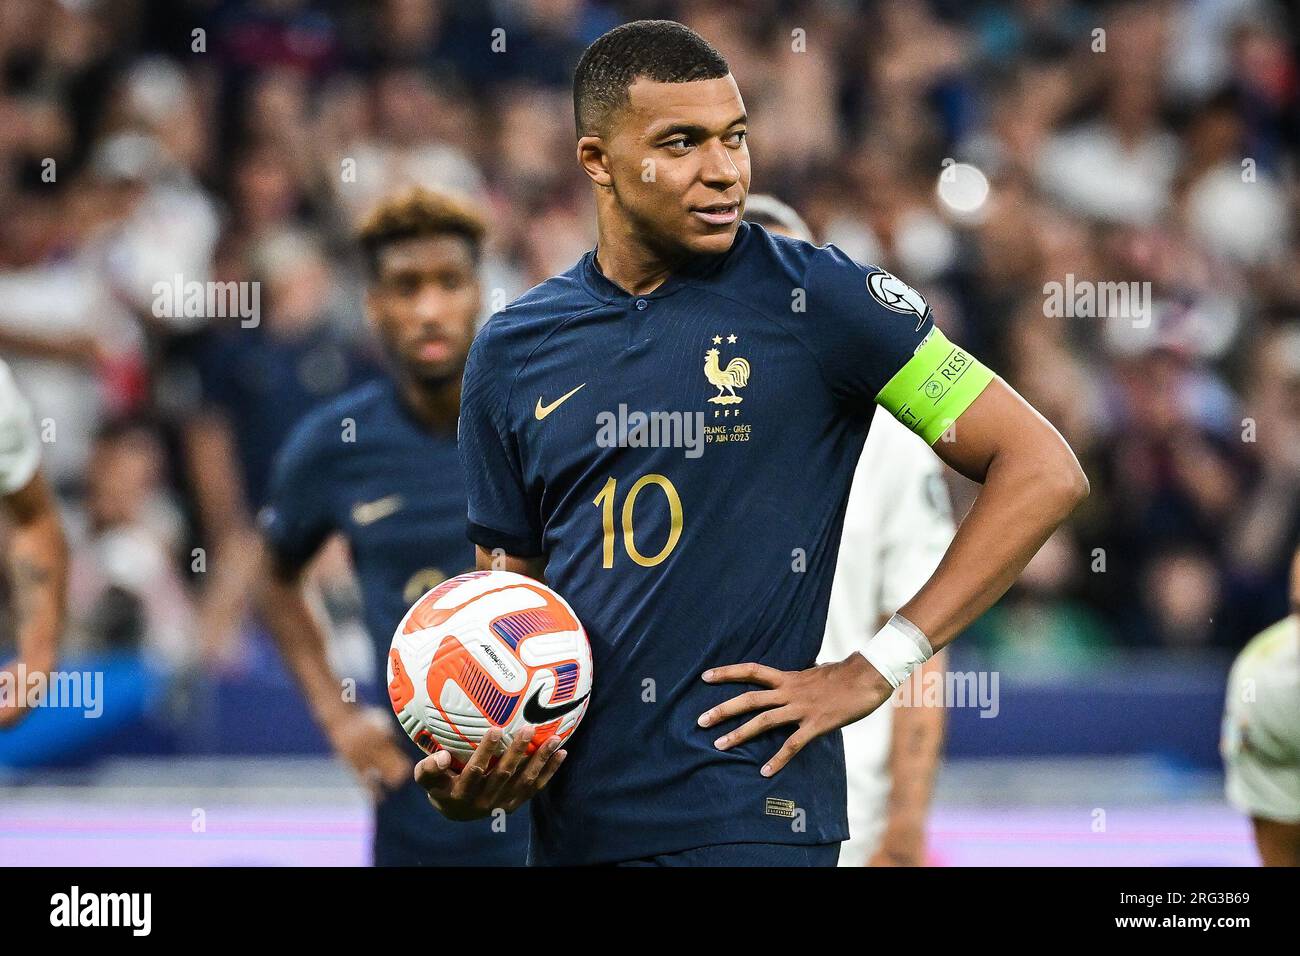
<point>683,460</point>
<point>364,467</point>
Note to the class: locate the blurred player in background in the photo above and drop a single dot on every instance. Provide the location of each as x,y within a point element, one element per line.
<point>1261,734</point>
<point>36,552</point>
<point>897,526</point>
<point>379,466</point>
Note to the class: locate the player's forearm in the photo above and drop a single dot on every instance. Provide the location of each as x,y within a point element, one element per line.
<point>1029,489</point>
<point>917,740</point>
<point>218,487</point>
<point>302,642</point>
<point>38,565</point>
<point>61,348</point>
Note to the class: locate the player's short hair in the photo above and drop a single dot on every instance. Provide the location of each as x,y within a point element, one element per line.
<point>767,210</point>
<point>415,214</point>
<point>661,50</point>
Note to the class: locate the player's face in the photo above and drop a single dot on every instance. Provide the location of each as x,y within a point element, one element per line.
<point>423,304</point>
<point>679,164</point>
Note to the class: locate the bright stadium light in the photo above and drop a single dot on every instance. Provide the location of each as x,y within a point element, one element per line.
<point>963,189</point>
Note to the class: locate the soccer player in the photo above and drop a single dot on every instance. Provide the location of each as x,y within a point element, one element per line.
<point>897,525</point>
<point>1261,734</point>
<point>700,566</point>
<point>378,465</point>
<point>37,550</point>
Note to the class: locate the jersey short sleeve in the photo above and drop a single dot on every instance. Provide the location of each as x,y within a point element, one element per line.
<point>500,512</point>
<point>1260,741</point>
<point>298,515</point>
<point>20,446</point>
<point>876,340</point>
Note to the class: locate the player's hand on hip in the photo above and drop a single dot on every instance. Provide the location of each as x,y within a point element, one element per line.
<point>818,700</point>
<point>364,738</point>
<point>480,787</point>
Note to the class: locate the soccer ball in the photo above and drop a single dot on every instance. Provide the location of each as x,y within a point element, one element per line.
<point>488,649</point>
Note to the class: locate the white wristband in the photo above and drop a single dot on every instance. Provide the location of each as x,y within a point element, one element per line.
<point>897,649</point>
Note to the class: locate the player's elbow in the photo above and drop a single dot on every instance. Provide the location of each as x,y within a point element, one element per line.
<point>1062,482</point>
<point>1077,485</point>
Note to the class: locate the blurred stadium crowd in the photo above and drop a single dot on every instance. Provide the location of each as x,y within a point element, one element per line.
<point>1161,150</point>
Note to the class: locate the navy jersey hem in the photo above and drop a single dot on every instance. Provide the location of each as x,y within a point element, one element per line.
<point>733,855</point>
<point>680,840</point>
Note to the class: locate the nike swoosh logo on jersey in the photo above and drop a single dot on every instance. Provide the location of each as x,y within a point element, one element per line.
<point>536,714</point>
<point>541,411</point>
<point>368,512</point>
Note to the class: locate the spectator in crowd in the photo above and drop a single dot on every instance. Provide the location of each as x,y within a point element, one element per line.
<point>127,591</point>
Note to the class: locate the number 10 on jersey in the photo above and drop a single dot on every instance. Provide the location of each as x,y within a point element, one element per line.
<point>605,502</point>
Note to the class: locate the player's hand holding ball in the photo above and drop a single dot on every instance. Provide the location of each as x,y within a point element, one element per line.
<point>487,783</point>
<point>489,673</point>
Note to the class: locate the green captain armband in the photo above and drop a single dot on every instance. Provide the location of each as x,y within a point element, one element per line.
<point>937,384</point>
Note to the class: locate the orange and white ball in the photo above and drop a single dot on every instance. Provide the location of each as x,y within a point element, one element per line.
<point>488,649</point>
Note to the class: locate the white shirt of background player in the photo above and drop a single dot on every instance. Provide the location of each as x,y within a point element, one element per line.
<point>20,447</point>
<point>897,526</point>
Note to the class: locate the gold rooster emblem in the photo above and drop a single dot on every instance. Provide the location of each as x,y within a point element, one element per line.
<point>726,380</point>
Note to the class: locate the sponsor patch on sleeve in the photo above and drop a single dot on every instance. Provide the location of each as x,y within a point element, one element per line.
<point>897,296</point>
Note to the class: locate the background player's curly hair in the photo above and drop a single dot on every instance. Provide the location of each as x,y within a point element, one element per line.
<point>416,213</point>
<point>661,50</point>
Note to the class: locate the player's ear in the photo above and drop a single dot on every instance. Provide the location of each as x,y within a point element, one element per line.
<point>594,160</point>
